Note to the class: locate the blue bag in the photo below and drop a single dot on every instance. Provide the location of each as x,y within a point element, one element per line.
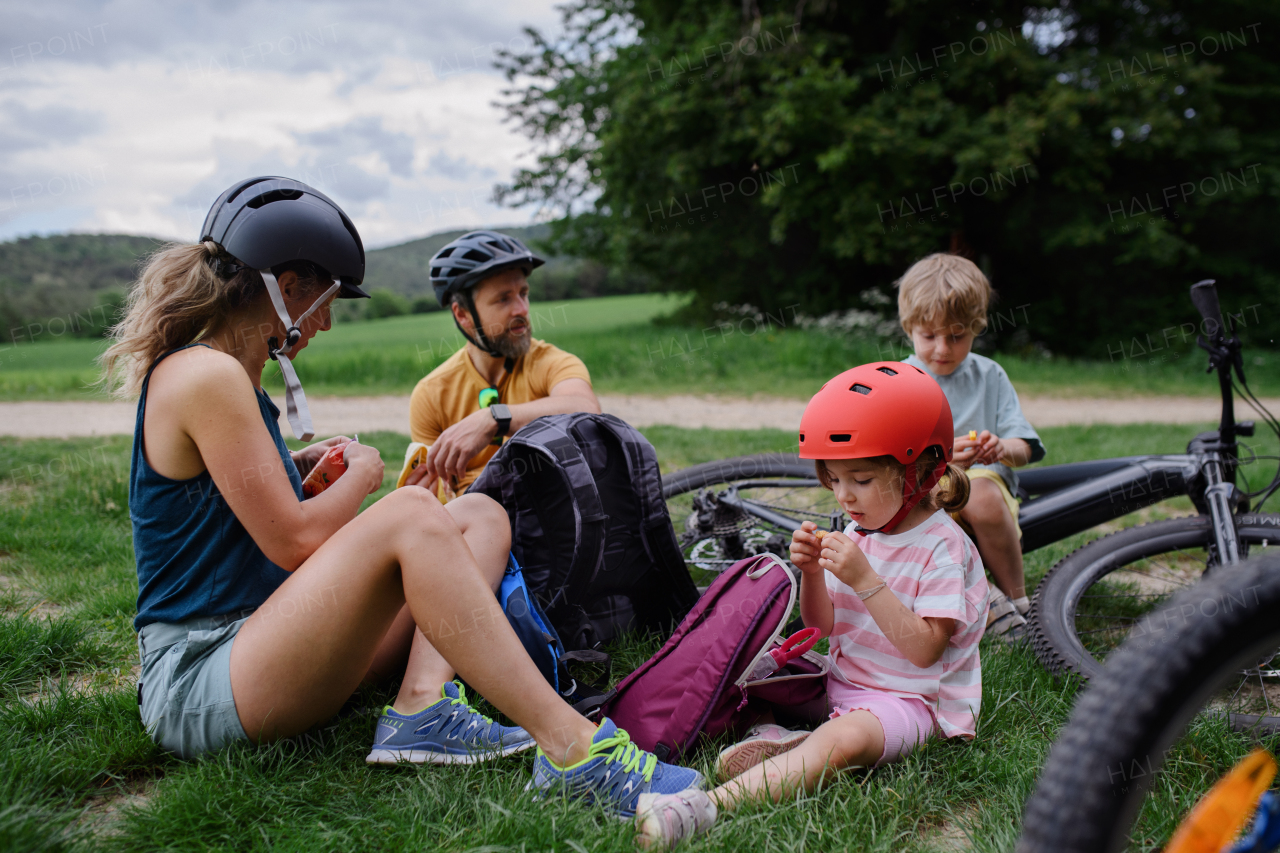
<point>530,623</point>
<point>543,644</point>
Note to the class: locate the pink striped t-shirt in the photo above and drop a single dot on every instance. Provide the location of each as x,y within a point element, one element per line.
<point>934,570</point>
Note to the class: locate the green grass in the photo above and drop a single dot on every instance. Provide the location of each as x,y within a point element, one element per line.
<point>78,773</point>
<point>629,354</point>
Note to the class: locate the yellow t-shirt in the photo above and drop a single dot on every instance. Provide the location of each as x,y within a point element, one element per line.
<point>449,393</point>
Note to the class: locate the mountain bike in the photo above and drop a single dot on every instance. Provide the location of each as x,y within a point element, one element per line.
<point>1160,716</point>
<point>732,508</point>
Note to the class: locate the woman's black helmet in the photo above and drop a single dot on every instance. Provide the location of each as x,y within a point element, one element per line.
<point>267,221</point>
<point>476,256</point>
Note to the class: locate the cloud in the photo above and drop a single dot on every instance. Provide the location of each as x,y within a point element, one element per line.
<point>23,127</point>
<point>385,106</point>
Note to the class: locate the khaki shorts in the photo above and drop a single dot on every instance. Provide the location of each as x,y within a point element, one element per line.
<point>185,690</point>
<point>1009,500</point>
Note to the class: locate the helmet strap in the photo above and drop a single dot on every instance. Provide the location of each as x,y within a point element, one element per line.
<point>912,494</point>
<point>295,400</point>
<point>483,344</point>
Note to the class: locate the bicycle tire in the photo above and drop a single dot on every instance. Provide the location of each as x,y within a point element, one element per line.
<point>1055,611</point>
<point>758,465</point>
<point>1107,756</point>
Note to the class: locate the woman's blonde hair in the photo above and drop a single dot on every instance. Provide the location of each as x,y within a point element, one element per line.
<point>947,288</point>
<point>176,300</point>
<point>950,494</point>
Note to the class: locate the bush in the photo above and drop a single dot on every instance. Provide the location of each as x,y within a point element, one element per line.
<point>385,303</point>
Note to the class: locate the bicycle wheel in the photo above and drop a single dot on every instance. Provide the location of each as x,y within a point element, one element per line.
<point>1087,604</point>
<point>1106,785</point>
<point>729,509</point>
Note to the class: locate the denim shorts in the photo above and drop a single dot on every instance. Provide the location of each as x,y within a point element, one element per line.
<point>185,692</point>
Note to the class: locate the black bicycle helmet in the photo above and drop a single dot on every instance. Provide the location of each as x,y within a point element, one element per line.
<point>466,262</point>
<point>476,256</point>
<point>267,221</point>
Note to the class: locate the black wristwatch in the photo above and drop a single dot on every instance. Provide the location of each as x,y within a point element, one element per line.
<point>502,415</point>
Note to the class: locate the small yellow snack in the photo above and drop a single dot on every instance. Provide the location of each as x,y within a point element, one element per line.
<point>819,534</point>
<point>973,435</point>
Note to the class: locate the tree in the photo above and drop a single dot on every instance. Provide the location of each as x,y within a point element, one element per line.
<point>1094,159</point>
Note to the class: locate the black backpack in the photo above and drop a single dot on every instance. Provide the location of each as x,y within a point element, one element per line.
<point>589,527</point>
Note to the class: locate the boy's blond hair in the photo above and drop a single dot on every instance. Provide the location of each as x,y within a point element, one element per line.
<point>946,288</point>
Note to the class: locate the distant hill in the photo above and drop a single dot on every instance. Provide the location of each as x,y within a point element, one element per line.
<point>75,283</point>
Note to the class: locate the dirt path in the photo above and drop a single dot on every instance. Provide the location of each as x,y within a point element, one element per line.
<point>334,415</point>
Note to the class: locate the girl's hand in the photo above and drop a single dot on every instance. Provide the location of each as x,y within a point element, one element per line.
<point>307,457</point>
<point>366,462</point>
<point>842,557</point>
<point>805,547</point>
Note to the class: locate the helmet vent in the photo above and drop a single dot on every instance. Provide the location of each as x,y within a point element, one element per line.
<point>275,195</point>
<point>444,253</point>
<point>888,371</point>
<point>802,438</point>
<point>841,436</point>
<point>861,389</point>
<point>474,255</point>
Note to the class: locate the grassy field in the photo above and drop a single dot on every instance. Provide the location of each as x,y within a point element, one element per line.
<point>628,354</point>
<point>78,773</point>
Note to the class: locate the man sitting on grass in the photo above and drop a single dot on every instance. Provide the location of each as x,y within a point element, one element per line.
<point>942,305</point>
<point>503,378</point>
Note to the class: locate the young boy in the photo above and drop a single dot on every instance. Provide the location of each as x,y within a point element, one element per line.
<point>942,305</point>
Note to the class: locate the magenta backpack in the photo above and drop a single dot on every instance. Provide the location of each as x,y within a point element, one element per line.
<point>725,665</point>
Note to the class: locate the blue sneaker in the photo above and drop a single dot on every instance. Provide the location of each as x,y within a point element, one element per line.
<point>615,773</point>
<point>448,732</point>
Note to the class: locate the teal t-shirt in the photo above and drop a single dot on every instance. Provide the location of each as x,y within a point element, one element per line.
<point>982,397</point>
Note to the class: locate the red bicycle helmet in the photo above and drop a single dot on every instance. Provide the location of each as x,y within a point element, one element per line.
<point>886,408</point>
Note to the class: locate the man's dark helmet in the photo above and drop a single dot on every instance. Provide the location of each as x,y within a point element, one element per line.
<point>267,221</point>
<point>476,256</point>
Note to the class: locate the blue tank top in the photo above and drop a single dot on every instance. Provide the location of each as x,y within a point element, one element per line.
<point>194,556</point>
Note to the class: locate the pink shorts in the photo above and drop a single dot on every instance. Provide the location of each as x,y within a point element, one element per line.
<point>907,723</point>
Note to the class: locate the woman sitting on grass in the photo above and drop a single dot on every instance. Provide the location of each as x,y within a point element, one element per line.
<point>260,613</point>
<point>900,592</point>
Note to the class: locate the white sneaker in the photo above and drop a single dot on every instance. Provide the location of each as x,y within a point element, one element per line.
<point>664,819</point>
<point>762,742</point>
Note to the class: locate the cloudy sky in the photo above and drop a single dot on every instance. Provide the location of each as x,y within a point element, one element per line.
<point>131,117</point>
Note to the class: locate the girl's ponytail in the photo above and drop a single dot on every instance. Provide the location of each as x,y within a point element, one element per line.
<point>952,491</point>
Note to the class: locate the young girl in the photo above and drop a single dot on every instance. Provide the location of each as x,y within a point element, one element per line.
<point>901,593</point>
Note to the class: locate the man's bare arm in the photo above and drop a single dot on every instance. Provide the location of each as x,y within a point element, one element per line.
<point>568,395</point>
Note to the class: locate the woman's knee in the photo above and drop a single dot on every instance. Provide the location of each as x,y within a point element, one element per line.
<point>477,509</point>
<point>415,509</point>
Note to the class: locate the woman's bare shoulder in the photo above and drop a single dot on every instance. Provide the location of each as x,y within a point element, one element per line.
<point>202,377</point>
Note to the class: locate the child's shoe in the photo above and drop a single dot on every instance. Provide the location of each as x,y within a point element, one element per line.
<point>762,742</point>
<point>615,773</point>
<point>664,819</point>
<point>1003,619</point>
<point>448,732</point>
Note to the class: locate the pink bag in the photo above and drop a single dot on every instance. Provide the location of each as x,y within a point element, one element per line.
<point>725,665</point>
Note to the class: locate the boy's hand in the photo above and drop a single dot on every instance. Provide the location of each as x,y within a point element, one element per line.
<point>842,557</point>
<point>989,448</point>
<point>805,546</point>
<point>964,451</point>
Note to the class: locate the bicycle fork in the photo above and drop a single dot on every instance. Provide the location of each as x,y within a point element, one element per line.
<point>1219,494</point>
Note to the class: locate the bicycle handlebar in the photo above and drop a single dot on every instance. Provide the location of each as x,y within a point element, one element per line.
<point>1204,295</point>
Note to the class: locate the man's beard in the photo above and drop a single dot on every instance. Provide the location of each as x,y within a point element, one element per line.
<point>511,345</point>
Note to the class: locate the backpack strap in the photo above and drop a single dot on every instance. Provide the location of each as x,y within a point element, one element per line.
<point>549,438</point>
<point>656,531</point>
